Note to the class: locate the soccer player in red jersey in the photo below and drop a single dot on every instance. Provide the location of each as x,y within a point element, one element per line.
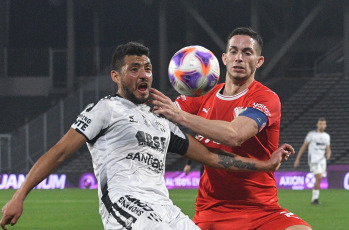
<point>240,116</point>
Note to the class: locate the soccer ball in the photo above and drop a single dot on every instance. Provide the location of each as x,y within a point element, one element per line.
<point>193,71</point>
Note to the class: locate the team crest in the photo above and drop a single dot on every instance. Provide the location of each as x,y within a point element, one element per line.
<point>238,111</point>
<point>160,126</point>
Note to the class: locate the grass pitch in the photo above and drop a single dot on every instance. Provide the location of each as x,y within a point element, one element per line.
<point>78,209</point>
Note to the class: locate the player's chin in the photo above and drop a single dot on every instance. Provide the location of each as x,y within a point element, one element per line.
<point>143,95</point>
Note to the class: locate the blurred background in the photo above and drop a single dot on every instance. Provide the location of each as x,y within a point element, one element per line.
<point>55,59</point>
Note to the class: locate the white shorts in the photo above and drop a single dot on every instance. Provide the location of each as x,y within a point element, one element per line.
<point>131,213</point>
<point>318,168</point>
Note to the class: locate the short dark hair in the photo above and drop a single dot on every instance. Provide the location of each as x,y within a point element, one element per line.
<point>249,32</point>
<point>321,119</point>
<point>130,48</point>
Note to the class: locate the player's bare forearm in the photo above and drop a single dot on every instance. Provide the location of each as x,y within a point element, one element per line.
<point>328,152</point>
<point>234,162</point>
<point>217,158</point>
<point>47,163</point>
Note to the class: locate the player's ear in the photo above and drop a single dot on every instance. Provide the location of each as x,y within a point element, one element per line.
<point>260,61</point>
<point>224,58</point>
<point>115,76</point>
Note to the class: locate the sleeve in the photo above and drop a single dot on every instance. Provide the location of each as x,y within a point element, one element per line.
<point>179,142</point>
<point>267,102</point>
<point>258,116</point>
<point>92,120</point>
<point>308,137</point>
<point>188,104</point>
<point>328,140</point>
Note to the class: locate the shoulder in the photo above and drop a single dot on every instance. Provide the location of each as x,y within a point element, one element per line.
<point>101,106</point>
<point>260,89</point>
<point>262,98</point>
<point>311,132</point>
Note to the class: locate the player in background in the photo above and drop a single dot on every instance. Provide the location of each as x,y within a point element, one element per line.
<point>319,151</point>
<point>241,116</point>
<point>128,145</point>
<point>187,168</point>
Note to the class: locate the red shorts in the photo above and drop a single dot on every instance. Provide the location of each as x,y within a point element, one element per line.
<point>246,219</point>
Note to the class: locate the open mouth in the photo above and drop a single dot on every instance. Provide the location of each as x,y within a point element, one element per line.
<point>142,87</point>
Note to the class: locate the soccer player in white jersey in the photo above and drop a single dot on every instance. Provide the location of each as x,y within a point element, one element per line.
<point>319,151</point>
<point>128,145</point>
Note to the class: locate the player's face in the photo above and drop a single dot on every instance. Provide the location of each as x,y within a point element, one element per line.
<point>242,58</point>
<point>135,79</point>
<point>321,126</point>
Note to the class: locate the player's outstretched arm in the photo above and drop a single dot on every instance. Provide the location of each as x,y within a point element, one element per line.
<point>232,133</point>
<point>300,153</point>
<point>217,158</point>
<point>46,164</point>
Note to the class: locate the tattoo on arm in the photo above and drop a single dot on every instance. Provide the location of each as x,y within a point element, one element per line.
<point>227,161</point>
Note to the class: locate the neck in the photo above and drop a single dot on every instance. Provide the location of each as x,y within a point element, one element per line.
<point>233,86</point>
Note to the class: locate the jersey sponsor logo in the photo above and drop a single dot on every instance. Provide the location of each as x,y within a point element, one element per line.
<point>205,140</point>
<point>82,122</point>
<point>133,205</point>
<point>137,207</point>
<point>261,108</point>
<point>154,164</point>
<point>154,142</point>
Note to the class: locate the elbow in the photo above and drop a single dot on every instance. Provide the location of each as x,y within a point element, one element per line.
<point>59,152</point>
<point>233,138</point>
<point>233,141</point>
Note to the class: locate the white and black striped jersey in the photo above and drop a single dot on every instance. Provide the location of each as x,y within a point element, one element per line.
<point>128,145</point>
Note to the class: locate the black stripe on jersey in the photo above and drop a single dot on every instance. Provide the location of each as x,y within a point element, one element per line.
<point>121,211</point>
<point>106,199</point>
<point>178,144</point>
<point>77,130</point>
<point>109,206</point>
<point>120,221</point>
<point>101,133</point>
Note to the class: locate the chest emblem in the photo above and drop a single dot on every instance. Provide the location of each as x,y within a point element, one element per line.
<point>238,111</point>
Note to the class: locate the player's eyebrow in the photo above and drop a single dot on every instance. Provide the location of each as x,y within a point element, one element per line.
<point>137,64</point>
<point>244,49</point>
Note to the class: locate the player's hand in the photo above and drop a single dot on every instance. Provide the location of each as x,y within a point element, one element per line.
<point>164,105</point>
<point>187,169</point>
<point>11,213</point>
<point>280,155</point>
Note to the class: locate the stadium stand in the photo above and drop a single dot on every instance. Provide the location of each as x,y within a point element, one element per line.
<point>323,96</point>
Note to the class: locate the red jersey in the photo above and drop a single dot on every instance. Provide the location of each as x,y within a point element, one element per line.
<point>221,188</point>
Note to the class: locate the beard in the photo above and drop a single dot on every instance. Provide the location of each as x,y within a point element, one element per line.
<point>131,97</point>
